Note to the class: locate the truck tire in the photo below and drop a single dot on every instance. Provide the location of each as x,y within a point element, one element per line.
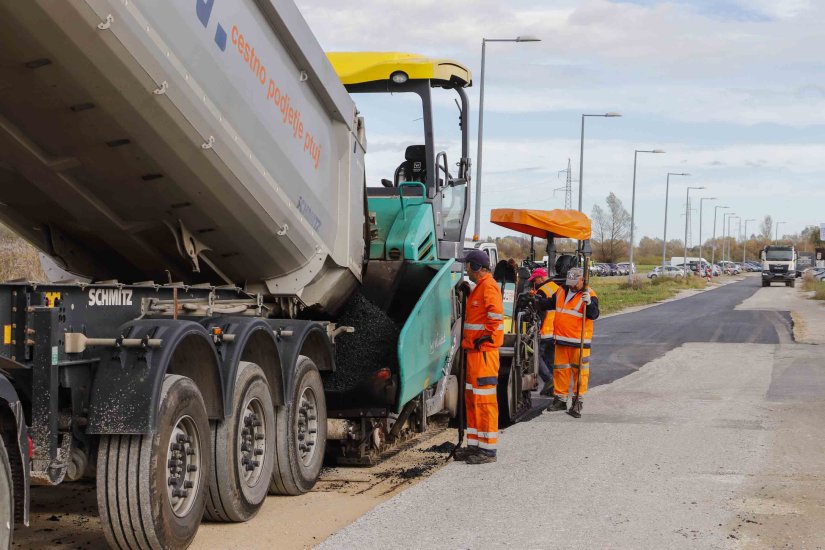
<point>243,450</point>
<point>6,499</point>
<point>300,433</point>
<point>766,283</point>
<point>140,476</point>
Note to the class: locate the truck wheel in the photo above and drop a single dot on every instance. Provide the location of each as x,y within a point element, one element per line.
<point>300,433</point>
<point>6,499</point>
<point>151,489</point>
<point>243,448</point>
<point>766,283</point>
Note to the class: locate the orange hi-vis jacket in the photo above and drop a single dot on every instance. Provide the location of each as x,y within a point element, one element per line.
<point>484,315</point>
<point>570,312</point>
<point>548,289</point>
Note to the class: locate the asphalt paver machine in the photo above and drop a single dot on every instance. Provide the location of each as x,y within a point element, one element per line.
<point>518,374</point>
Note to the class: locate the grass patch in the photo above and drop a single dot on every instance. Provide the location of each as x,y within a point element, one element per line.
<point>616,293</point>
<point>811,285</point>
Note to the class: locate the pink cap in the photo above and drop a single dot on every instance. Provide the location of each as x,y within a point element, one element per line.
<point>538,272</point>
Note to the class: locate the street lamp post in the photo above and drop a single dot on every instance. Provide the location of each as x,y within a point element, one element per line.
<point>730,244</point>
<point>713,254</point>
<point>687,218</point>
<point>664,236</point>
<point>581,153</point>
<point>777,230</point>
<point>745,240</point>
<point>477,225</point>
<point>725,232</point>
<point>632,203</point>
<point>703,199</point>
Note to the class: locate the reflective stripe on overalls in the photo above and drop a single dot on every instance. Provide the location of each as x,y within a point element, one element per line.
<point>483,317</point>
<point>548,289</point>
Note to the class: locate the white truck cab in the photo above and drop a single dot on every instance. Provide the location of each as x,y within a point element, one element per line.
<point>779,265</point>
<point>488,248</point>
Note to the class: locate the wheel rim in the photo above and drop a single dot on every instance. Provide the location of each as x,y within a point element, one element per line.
<point>183,461</point>
<point>251,444</point>
<point>306,431</point>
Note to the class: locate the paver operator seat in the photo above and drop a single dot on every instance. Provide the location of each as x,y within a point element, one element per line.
<point>414,167</point>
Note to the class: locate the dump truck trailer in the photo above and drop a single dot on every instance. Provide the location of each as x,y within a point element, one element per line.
<point>198,167</point>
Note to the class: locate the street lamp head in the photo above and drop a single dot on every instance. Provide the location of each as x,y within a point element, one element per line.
<point>708,198</point>
<point>657,151</point>
<point>528,38</point>
<point>612,114</point>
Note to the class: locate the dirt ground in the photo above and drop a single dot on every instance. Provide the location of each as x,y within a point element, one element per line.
<point>66,516</point>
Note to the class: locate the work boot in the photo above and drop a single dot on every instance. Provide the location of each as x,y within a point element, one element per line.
<point>463,453</point>
<point>481,457</point>
<point>547,389</point>
<point>576,408</point>
<point>558,404</point>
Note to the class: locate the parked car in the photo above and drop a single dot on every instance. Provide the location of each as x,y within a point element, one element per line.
<point>669,271</point>
<point>816,273</point>
<point>605,270</point>
<point>614,269</point>
<point>624,267</point>
<point>730,268</point>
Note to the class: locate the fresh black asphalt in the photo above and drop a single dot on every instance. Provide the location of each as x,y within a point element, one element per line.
<point>624,343</point>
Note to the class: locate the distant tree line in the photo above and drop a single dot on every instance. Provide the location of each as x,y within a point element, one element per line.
<point>611,236</point>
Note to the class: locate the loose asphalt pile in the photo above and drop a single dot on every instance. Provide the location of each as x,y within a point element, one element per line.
<point>371,347</point>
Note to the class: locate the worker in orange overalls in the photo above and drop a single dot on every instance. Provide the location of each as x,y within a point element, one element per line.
<point>545,290</point>
<point>483,335</point>
<point>574,305</point>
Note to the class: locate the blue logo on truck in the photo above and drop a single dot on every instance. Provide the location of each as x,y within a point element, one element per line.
<point>203,8</point>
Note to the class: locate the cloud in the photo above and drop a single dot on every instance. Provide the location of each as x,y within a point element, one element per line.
<point>734,73</point>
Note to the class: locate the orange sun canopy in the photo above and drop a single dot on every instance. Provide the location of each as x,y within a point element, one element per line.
<point>571,224</point>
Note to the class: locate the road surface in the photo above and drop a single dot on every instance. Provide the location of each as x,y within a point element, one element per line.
<point>623,343</point>
<point>705,432</point>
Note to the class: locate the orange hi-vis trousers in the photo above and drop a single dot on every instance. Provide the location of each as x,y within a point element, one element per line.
<point>480,399</point>
<point>566,366</point>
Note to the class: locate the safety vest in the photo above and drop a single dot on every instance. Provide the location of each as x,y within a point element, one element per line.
<point>548,289</point>
<point>484,315</point>
<point>569,316</point>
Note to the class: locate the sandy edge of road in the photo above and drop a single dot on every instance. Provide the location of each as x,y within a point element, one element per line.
<point>66,516</point>
<point>808,318</point>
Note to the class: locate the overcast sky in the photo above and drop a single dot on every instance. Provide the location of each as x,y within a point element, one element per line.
<point>733,90</point>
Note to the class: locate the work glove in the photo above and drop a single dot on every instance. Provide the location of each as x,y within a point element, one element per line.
<point>586,297</point>
<point>478,341</point>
